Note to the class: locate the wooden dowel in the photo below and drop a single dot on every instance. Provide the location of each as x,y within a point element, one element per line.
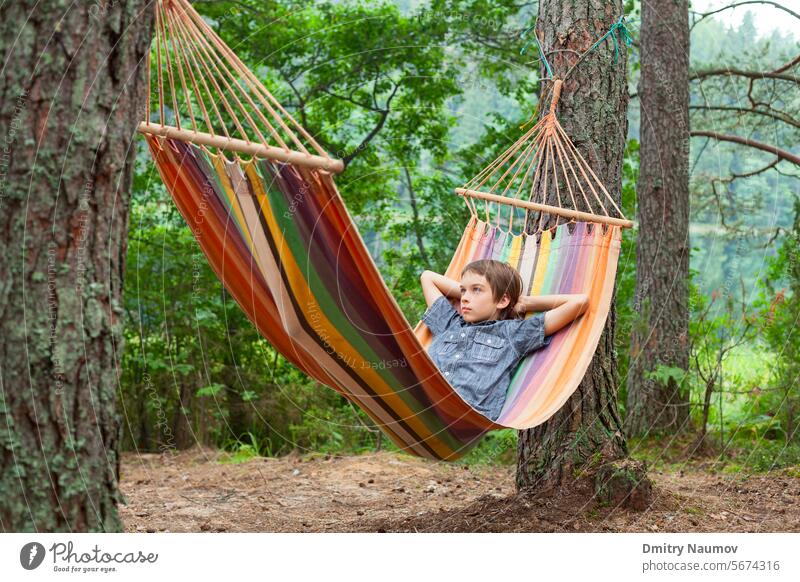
<point>239,145</point>
<point>577,214</point>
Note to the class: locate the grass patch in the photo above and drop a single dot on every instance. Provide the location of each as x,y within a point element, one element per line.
<point>499,447</point>
<point>240,451</point>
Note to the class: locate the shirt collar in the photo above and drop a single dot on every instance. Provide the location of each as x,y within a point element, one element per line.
<point>465,323</point>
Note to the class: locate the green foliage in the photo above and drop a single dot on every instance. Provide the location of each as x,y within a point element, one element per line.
<point>764,456</point>
<point>417,97</point>
<point>210,390</point>
<point>499,447</point>
<point>242,451</point>
<point>753,417</point>
<point>779,305</point>
<point>663,374</point>
<point>741,455</point>
<point>330,423</point>
<point>626,270</point>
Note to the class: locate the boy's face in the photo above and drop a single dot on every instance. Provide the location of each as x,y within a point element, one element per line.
<point>477,299</point>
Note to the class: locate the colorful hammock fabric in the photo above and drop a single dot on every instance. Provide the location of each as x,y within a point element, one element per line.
<point>281,240</point>
<point>277,233</point>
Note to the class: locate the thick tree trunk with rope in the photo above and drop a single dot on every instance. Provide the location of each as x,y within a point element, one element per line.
<point>587,431</point>
<point>72,98</point>
<point>662,263</point>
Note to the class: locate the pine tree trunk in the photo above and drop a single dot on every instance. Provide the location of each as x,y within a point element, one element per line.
<point>587,431</point>
<point>72,94</point>
<point>660,335</point>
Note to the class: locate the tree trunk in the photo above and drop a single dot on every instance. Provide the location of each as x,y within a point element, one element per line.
<point>660,335</point>
<point>182,430</point>
<point>587,431</point>
<point>72,95</point>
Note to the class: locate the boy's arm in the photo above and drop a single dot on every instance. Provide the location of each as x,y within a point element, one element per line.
<point>560,310</point>
<point>435,285</point>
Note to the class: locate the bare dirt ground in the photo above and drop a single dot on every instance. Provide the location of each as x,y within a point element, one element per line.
<point>193,491</point>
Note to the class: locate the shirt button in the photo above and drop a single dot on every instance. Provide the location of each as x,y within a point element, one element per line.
<point>462,335</point>
<point>489,341</point>
<point>447,373</point>
<point>451,336</point>
<point>458,355</point>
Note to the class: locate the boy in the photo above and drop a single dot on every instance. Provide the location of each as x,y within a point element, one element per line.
<point>479,349</point>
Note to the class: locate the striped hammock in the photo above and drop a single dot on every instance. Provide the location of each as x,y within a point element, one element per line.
<point>279,237</point>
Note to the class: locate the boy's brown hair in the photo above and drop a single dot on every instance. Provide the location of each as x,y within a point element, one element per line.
<point>502,278</point>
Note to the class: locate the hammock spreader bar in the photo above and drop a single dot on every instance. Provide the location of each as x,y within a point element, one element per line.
<point>240,146</point>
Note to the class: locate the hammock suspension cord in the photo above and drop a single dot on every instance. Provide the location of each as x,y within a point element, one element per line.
<point>215,94</point>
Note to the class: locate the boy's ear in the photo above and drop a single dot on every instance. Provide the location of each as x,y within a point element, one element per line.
<point>504,302</point>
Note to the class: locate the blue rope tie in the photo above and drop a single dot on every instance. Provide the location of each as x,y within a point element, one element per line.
<point>619,25</point>
<point>538,46</point>
<point>626,37</point>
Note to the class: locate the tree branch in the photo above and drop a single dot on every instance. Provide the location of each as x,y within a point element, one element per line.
<point>772,164</point>
<point>748,74</point>
<point>412,197</point>
<point>378,126</point>
<point>787,66</point>
<point>781,153</point>
<point>783,118</point>
<point>301,104</point>
<point>787,174</point>
<point>729,180</point>
<point>351,100</point>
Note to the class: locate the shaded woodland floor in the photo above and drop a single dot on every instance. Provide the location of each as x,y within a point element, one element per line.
<point>192,491</point>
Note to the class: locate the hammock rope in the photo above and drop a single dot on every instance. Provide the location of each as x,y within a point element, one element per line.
<point>204,75</point>
<point>278,234</point>
<point>542,163</point>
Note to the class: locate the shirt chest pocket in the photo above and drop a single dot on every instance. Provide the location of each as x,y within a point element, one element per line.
<point>449,343</point>
<point>487,347</point>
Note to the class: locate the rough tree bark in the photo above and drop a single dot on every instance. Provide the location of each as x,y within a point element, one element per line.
<point>584,440</point>
<point>660,334</point>
<point>73,89</point>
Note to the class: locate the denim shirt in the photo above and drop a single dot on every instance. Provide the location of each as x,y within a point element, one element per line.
<point>479,359</point>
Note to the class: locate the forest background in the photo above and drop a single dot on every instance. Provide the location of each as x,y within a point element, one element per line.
<point>417,97</point>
